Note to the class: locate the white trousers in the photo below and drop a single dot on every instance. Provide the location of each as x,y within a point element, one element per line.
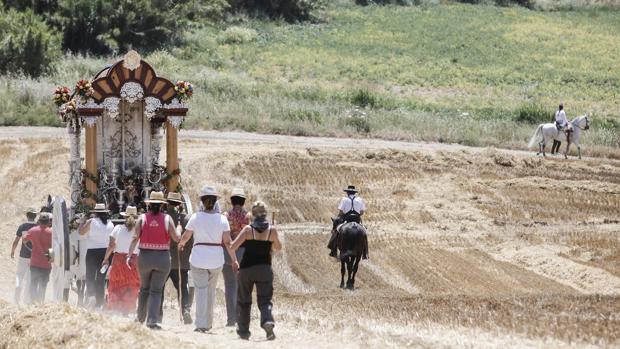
<point>205,281</point>
<point>22,280</point>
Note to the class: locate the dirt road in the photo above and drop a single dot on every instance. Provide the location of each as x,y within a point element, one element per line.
<point>470,247</point>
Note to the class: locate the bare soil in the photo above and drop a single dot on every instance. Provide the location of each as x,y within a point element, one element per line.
<point>469,247</point>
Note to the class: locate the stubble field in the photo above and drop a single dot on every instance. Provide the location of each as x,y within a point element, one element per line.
<point>469,247</point>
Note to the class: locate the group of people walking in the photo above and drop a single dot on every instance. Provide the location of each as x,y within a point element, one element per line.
<point>147,249</point>
<point>33,265</point>
<point>141,254</point>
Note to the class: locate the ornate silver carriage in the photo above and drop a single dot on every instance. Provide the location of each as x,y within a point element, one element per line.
<point>124,112</point>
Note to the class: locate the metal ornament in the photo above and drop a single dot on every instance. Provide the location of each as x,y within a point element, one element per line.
<point>151,107</point>
<point>175,104</point>
<point>90,121</point>
<point>111,105</point>
<point>131,60</point>
<point>89,104</point>
<point>132,91</point>
<point>175,121</point>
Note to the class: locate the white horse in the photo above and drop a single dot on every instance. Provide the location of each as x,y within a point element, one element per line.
<point>550,132</point>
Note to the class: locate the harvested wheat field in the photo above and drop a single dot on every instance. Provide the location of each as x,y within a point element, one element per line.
<point>469,247</point>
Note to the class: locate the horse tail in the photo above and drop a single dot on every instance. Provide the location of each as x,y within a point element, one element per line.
<point>535,136</point>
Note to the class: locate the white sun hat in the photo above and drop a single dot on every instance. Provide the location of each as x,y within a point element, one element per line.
<point>208,190</point>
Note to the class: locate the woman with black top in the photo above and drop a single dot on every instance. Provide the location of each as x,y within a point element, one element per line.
<point>259,239</point>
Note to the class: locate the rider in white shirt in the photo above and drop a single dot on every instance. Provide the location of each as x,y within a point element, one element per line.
<point>350,209</point>
<point>562,124</point>
<point>560,118</point>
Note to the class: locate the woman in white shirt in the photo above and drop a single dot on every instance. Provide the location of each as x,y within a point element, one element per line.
<point>98,231</point>
<point>124,280</point>
<point>210,230</point>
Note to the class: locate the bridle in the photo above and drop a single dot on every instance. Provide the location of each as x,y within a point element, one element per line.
<point>579,122</point>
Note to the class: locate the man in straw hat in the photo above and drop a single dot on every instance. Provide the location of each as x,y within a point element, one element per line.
<point>238,218</point>
<point>179,261</point>
<point>154,230</point>
<point>40,237</point>
<point>22,273</point>
<point>97,230</point>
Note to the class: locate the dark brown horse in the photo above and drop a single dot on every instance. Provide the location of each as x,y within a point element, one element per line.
<point>352,243</point>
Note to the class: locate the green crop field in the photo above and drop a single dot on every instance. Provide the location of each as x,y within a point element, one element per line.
<point>472,74</point>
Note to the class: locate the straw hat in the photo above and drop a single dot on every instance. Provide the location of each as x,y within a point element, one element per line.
<point>100,208</point>
<point>175,197</point>
<point>351,189</point>
<point>238,192</point>
<point>208,191</point>
<point>156,197</point>
<point>32,210</point>
<point>130,211</point>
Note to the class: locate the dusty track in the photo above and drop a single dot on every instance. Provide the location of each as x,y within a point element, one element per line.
<point>470,247</point>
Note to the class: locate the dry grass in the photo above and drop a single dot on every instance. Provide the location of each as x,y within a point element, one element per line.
<point>463,241</point>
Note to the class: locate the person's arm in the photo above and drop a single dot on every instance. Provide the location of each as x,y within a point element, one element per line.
<point>17,238</point>
<point>85,227</point>
<point>227,244</point>
<point>136,237</point>
<point>341,208</point>
<point>275,238</point>
<point>172,230</point>
<point>185,238</point>
<point>108,252</point>
<point>240,239</point>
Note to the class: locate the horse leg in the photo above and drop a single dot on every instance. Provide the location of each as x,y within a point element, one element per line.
<point>349,272</point>
<point>342,270</point>
<point>579,151</point>
<point>566,153</point>
<point>355,266</point>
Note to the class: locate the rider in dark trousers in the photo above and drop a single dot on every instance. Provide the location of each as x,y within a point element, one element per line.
<point>350,209</point>
<point>561,122</point>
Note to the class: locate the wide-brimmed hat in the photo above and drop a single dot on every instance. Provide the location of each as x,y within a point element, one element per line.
<point>156,197</point>
<point>44,218</point>
<point>175,197</point>
<point>130,211</point>
<point>237,192</point>
<point>100,208</point>
<point>208,190</point>
<point>350,189</point>
<point>32,210</point>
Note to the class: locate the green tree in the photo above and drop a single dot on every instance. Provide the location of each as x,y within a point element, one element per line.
<point>103,27</point>
<point>27,45</point>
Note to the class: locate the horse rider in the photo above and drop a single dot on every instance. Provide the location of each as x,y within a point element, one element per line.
<point>562,124</point>
<point>350,209</point>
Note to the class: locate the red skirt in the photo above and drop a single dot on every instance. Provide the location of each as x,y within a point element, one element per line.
<point>124,284</point>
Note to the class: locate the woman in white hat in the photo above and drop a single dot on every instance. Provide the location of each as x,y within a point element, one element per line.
<point>238,218</point>
<point>98,230</point>
<point>153,230</point>
<point>210,230</point>
<point>124,281</point>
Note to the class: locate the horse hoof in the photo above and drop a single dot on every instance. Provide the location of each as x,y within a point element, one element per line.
<point>341,285</point>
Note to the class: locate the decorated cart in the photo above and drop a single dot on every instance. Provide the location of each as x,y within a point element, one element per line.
<point>124,111</point>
